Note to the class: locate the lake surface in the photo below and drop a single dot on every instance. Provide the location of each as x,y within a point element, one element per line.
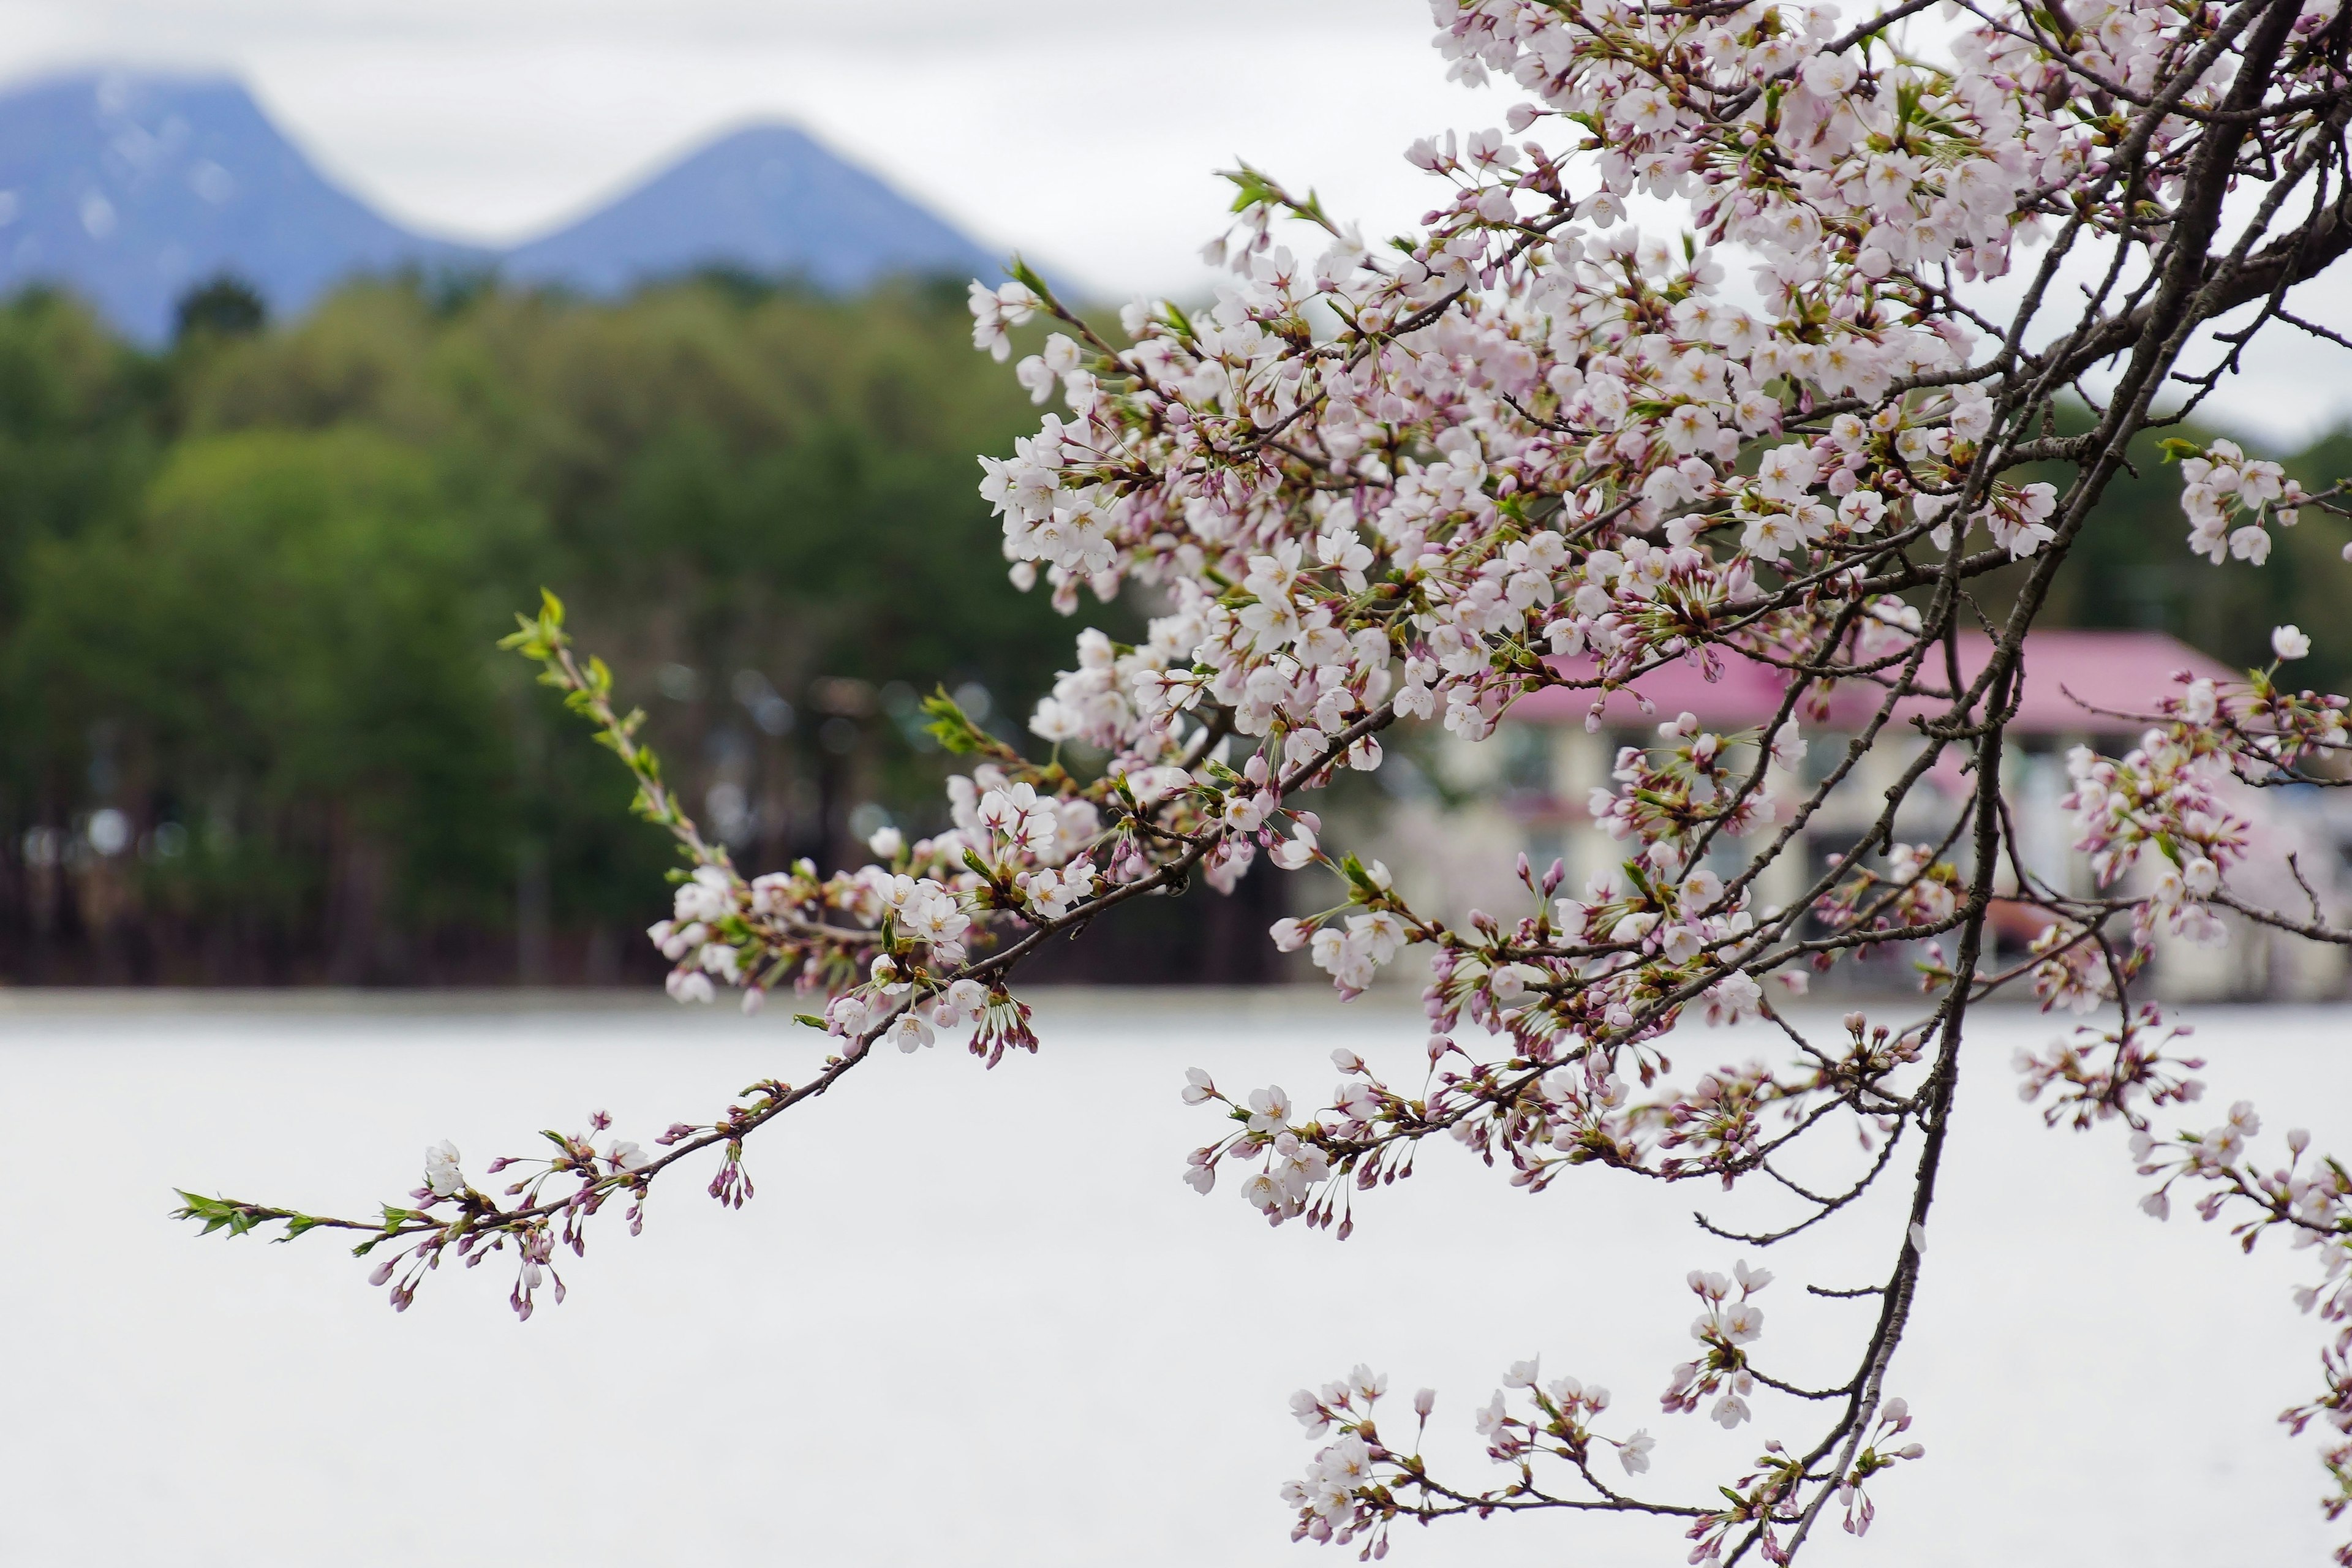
<point>973,1319</point>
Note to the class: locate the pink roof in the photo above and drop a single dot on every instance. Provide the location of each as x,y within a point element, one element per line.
<point>2122,672</point>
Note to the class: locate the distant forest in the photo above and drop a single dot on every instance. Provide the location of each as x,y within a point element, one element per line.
<point>257,731</point>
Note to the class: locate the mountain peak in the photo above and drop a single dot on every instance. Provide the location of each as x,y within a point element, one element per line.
<point>129,188</point>
<point>769,198</point>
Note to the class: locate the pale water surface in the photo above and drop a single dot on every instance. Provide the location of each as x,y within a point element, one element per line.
<point>973,1320</point>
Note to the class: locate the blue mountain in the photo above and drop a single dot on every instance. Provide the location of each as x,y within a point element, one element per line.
<point>768,199</point>
<point>128,189</point>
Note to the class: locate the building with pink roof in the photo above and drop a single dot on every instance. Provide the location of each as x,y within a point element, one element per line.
<point>1530,788</point>
<point>2074,681</point>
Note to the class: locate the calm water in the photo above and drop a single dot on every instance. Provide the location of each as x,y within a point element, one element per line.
<point>973,1320</point>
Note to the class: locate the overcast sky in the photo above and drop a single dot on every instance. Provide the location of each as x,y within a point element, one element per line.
<point>1082,132</point>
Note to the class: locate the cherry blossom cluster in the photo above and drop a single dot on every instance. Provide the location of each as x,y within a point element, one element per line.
<point>2103,1073</point>
<point>1913,892</point>
<point>1724,1330</point>
<point>2230,498</point>
<point>1563,1102</point>
<point>2267,733</point>
<point>2159,805</point>
<point>1357,1485</point>
<point>2077,969</point>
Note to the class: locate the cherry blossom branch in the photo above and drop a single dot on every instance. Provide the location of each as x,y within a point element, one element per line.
<point>1528,447</point>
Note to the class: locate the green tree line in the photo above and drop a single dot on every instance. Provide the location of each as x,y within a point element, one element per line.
<point>249,591</point>
<point>250,588</point>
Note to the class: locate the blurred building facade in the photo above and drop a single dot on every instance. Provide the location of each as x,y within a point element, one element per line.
<point>1529,789</point>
